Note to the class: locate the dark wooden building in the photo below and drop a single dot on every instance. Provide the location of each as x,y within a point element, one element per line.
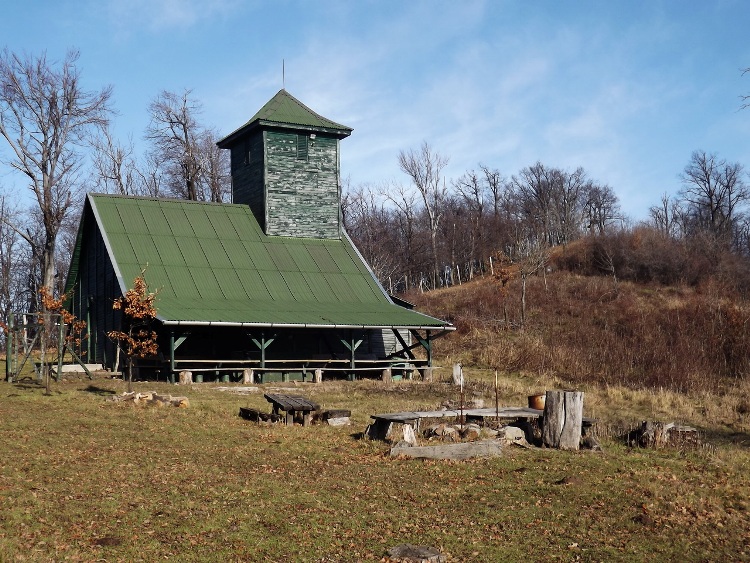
<point>270,282</point>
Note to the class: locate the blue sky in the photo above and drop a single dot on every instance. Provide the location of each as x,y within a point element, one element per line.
<point>625,89</point>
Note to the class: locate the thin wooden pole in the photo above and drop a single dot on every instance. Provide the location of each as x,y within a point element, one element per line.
<point>461,417</point>
<point>497,401</point>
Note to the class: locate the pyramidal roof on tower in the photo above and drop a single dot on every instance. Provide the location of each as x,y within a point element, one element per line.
<point>287,112</point>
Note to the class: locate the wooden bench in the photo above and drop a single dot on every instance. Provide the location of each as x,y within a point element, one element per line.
<point>292,404</point>
<point>381,425</point>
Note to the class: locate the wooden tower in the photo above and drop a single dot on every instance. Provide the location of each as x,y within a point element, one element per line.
<point>285,166</point>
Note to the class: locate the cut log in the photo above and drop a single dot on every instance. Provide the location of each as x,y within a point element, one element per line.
<point>563,419</point>
<point>180,402</point>
<point>466,450</point>
<point>386,375</point>
<point>186,377</point>
<point>659,434</point>
<point>318,377</point>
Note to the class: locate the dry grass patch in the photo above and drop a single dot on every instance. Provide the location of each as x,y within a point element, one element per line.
<point>82,479</point>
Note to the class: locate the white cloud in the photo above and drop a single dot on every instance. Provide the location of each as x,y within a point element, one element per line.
<point>157,16</point>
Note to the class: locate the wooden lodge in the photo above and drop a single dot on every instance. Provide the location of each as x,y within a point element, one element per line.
<point>270,282</point>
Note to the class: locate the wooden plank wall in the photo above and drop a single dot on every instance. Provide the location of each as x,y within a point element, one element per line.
<point>302,183</point>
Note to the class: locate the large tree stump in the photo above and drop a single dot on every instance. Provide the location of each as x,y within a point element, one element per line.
<point>563,418</point>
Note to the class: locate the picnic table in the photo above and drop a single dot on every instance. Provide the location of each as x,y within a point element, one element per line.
<point>291,405</point>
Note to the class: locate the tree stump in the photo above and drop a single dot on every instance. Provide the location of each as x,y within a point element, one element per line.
<point>318,376</point>
<point>248,376</point>
<point>186,378</point>
<point>386,375</point>
<point>563,419</point>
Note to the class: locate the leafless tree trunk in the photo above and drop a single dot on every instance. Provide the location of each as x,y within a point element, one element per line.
<point>531,256</point>
<point>46,117</point>
<point>406,220</point>
<point>472,191</point>
<point>601,207</point>
<point>115,169</point>
<point>177,140</point>
<point>425,168</point>
<point>215,166</point>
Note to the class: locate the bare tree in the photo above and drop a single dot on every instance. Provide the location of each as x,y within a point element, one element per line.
<point>570,190</point>
<point>425,168</point>
<point>11,280</point>
<point>175,135</point>
<point>370,224</point>
<point>714,192</point>
<point>496,186</point>
<point>46,118</point>
<point>601,207</point>
<point>215,177</point>
<point>533,188</point>
<point>115,169</point>
<point>531,256</point>
<point>472,189</point>
<point>667,216</point>
<point>405,202</point>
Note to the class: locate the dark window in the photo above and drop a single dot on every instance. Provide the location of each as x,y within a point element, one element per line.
<point>302,147</point>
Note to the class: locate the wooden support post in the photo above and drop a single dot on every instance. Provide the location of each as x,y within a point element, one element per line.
<point>426,374</point>
<point>563,419</point>
<point>171,351</point>
<point>458,375</point>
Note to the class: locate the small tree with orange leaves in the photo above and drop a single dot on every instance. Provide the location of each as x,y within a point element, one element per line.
<point>138,310</point>
<point>74,336</point>
<point>70,337</point>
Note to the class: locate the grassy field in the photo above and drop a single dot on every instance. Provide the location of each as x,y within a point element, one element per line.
<point>84,479</point>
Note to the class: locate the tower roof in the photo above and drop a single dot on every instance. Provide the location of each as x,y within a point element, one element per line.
<point>287,112</point>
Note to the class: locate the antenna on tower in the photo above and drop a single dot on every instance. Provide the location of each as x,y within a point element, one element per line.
<point>283,75</point>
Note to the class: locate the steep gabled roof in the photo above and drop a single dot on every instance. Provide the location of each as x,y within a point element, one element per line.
<point>287,112</point>
<point>212,264</point>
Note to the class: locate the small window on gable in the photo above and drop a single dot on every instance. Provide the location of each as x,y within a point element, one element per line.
<point>302,147</point>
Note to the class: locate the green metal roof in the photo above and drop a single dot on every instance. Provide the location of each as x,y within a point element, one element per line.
<point>286,111</point>
<point>212,264</point>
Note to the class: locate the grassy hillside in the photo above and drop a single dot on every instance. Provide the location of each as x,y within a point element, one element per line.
<point>589,329</point>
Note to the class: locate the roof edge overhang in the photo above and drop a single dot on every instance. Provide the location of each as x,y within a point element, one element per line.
<point>230,139</point>
<point>305,325</point>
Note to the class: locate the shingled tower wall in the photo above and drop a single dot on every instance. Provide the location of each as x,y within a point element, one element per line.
<point>285,166</point>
